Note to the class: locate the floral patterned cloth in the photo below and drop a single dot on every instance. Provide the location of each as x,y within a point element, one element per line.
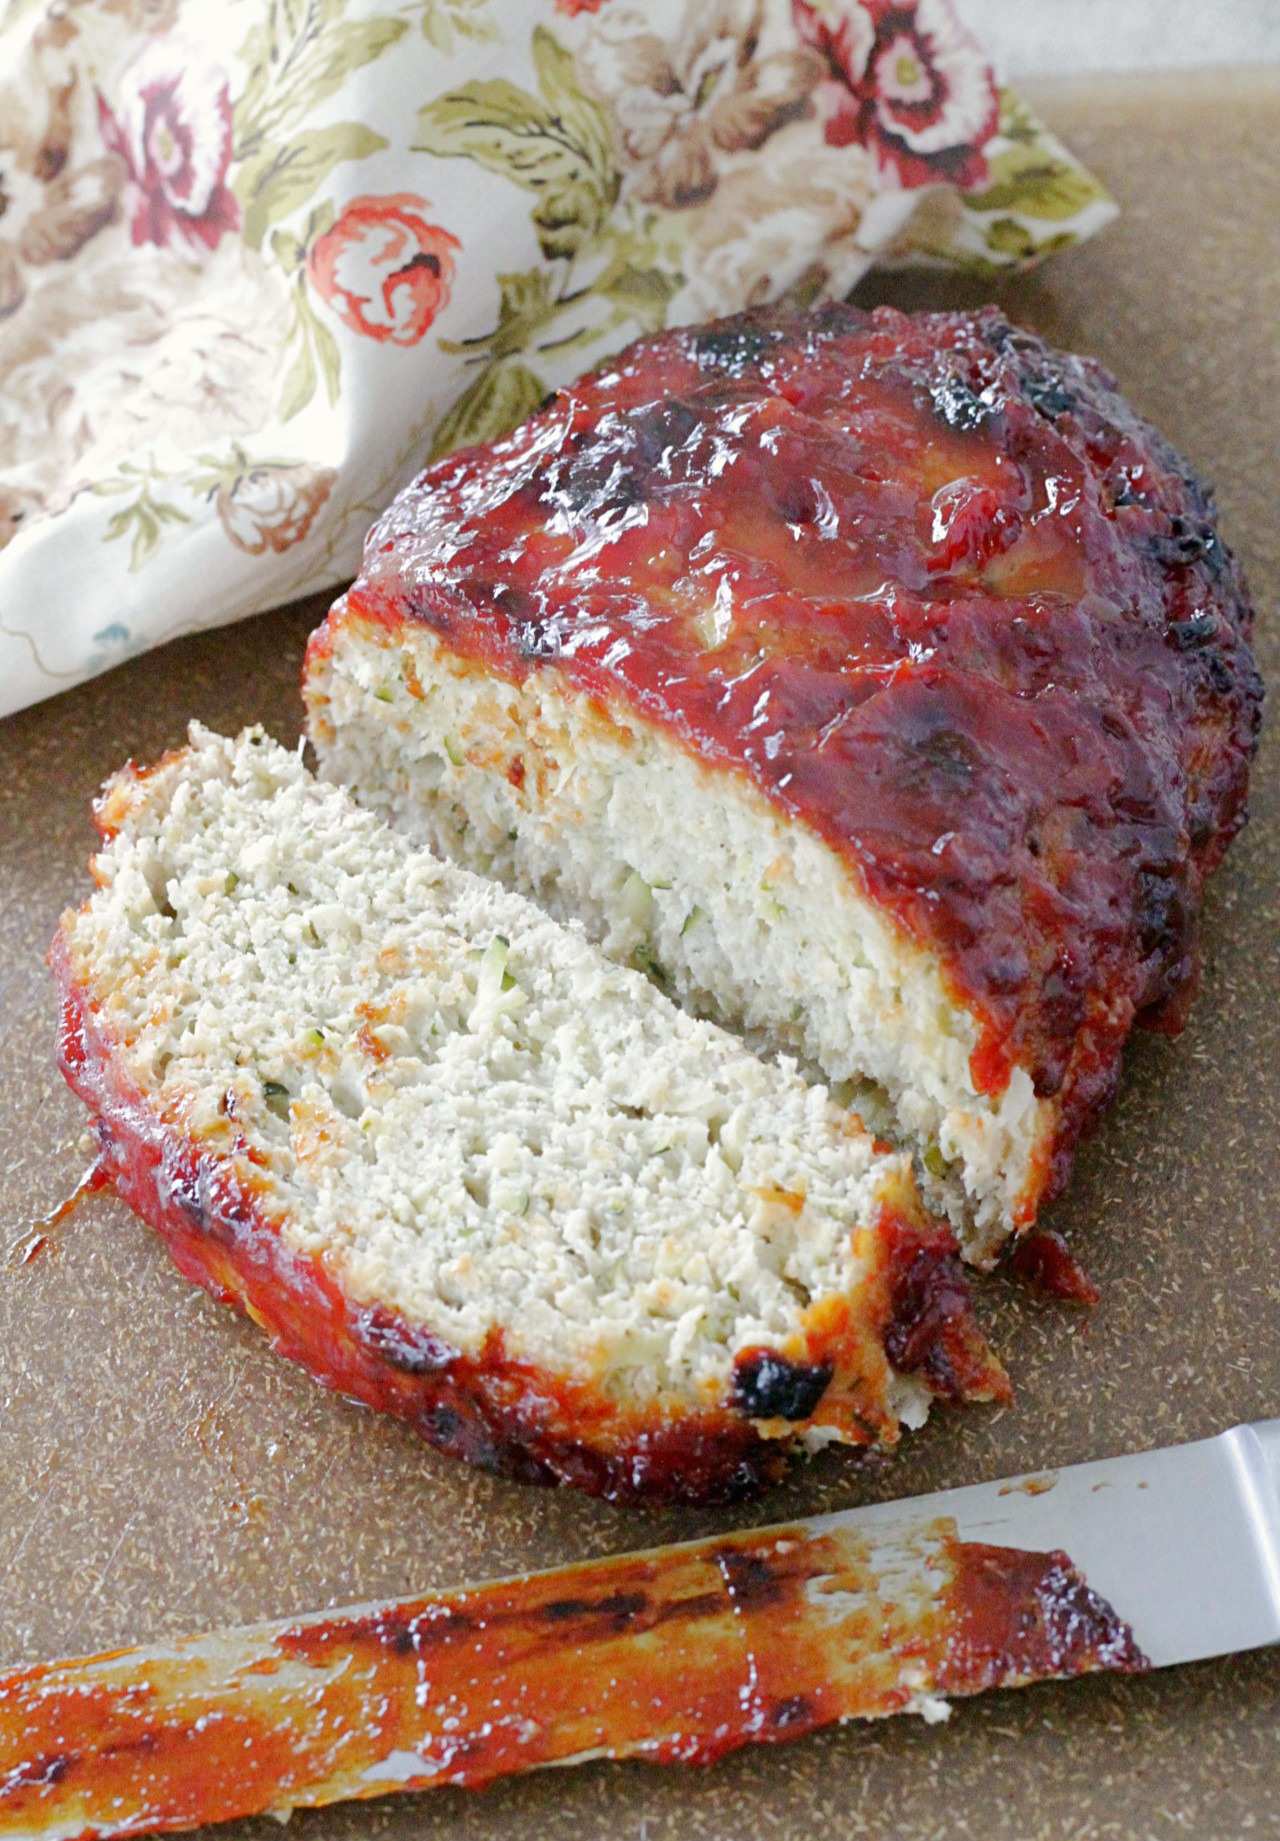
<point>260,258</point>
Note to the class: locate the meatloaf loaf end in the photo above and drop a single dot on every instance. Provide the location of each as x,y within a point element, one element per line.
<point>468,1170</point>
<point>879,683</point>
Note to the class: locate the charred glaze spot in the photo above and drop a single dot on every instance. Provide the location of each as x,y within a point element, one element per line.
<point>1220,675</point>
<point>140,1746</point>
<point>515,603</point>
<point>411,1350</point>
<point>796,501</point>
<point>659,427</point>
<point>561,1609</point>
<point>796,1710</point>
<point>950,753</point>
<point>1187,541</point>
<point>444,1427</point>
<point>768,1386</point>
<point>395,1635</point>
<point>619,1609</point>
<point>1162,917</point>
<point>1051,397</point>
<point>598,486</point>
<point>1002,337</point>
<point>1197,631</point>
<point>684,1610</point>
<point>754,1581</point>
<point>440,1624</point>
<point>40,1772</point>
<point>959,406</point>
<point>435,612</point>
<point>397,1631</point>
<point>183,1190</point>
<point>733,346</point>
<point>1200,824</point>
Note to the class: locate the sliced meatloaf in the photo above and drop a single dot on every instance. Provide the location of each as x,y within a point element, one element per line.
<point>467,1169</point>
<point>880,684</point>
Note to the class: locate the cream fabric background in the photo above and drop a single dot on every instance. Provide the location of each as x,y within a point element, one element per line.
<point>258,262</point>
<point>1051,37</point>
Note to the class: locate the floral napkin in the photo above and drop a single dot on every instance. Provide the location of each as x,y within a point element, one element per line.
<point>259,259</point>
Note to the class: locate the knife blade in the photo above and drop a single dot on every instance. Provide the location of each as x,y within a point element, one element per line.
<point>677,1654</point>
<point>1183,1541</point>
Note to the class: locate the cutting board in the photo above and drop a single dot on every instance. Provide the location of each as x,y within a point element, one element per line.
<point>161,1471</point>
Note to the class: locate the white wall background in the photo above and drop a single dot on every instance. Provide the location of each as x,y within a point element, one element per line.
<point>1048,37</point>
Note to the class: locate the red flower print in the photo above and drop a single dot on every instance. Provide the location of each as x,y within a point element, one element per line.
<point>172,129</point>
<point>907,81</point>
<point>383,268</point>
<point>574,7</point>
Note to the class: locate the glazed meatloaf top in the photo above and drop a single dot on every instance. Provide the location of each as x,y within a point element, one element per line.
<point>937,590</point>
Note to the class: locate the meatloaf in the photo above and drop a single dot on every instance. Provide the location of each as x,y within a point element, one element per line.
<point>467,1169</point>
<point>880,684</point>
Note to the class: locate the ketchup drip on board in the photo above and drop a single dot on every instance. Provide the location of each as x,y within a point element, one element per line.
<point>37,1240</point>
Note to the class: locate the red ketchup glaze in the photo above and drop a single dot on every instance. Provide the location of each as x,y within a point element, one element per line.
<point>679,1655</point>
<point>1047,1263</point>
<point>494,1410</point>
<point>1018,1616</point>
<point>937,590</point>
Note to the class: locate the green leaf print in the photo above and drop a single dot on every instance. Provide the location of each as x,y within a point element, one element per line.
<point>143,520</point>
<point>639,293</point>
<point>445,22</point>
<point>526,304</point>
<point>567,218</point>
<point>559,145</point>
<point>317,357</point>
<point>302,53</point>
<point>580,115</point>
<point>501,396</point>
<point>281,179</point>
<point>603,270</point>
<point>501,127</point>
<point>1033,175</point>
<point>1007,237</point>
<point>1025,179</point>
<point>299,384</point>
<point>341,50</point>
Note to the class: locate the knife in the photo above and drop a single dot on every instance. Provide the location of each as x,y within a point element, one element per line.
<point>677,1654</point>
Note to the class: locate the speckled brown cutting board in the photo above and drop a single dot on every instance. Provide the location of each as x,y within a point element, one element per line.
<point>161,1471</point>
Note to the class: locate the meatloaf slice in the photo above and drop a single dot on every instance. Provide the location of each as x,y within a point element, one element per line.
<point>465,1168</point>
<point>881,684</point>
